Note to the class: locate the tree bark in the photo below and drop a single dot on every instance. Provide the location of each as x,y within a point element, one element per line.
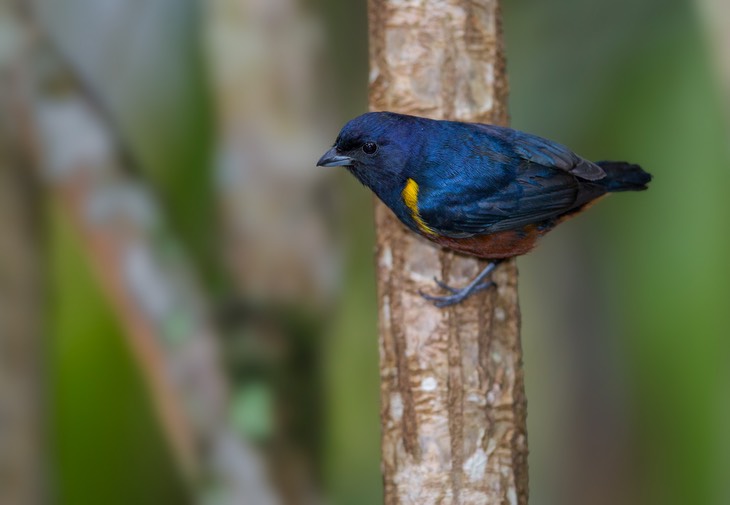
<point>452,393</point>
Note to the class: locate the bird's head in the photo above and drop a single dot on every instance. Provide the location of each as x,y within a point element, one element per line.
<point>375,147</point>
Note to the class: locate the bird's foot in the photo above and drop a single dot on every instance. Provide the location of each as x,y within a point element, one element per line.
<point>459,295</point>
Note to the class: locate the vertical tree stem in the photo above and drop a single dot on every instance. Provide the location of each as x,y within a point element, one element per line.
<point>22,282</point>
<point>452,392</point>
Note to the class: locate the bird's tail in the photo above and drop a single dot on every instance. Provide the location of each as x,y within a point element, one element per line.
<point>622,176</point>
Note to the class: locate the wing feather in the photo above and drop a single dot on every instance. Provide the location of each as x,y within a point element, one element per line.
<point>512,180</point>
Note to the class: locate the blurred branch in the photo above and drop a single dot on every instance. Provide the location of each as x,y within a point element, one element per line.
<point>22,283</point>
<point>452,393</point>
<point>715,15</point>
<point>146,277</point>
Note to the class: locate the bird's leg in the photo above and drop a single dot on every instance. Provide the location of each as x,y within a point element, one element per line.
<point>446,287</point>
<point>459,295</point>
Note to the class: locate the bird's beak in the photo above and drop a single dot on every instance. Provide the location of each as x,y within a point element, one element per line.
<point>333,159</point>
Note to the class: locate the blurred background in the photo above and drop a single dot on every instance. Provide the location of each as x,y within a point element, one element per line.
<point>181,288</point>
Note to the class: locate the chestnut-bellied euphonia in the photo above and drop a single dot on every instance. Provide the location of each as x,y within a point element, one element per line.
<point>480,189</point>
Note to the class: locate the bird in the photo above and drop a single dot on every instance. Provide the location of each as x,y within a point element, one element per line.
<point>479,189</point>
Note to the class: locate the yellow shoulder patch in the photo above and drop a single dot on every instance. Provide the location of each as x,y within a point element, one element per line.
<point>410,198</point>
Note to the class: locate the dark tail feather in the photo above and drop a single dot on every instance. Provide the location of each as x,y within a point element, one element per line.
<point>622,176</point>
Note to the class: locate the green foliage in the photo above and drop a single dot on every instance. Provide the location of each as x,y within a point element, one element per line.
<point>676,316</point>
<point>353,434</point>
<point>108,446</point>
<point>642,92</point>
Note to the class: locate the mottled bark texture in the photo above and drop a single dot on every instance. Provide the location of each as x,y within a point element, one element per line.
<point>452,391</point>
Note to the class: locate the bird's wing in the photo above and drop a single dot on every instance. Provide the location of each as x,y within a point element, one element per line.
<point>537,194</point>
<point>545,152</point>
<point>519,180</point>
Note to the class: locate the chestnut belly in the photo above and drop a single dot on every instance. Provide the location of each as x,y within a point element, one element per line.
<point>503,244</point>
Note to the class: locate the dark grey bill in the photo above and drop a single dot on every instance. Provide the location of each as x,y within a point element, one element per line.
<point>333,159</point>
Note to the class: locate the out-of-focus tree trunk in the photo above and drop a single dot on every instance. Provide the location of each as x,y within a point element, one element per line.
<point>714,14</point>
<point>22,398</point>
<point>280,257</point>
<point>21,348</point>
<point>271,124</point>
<point>452,393</point>
<point>149,282</point>
<point>21,327</point>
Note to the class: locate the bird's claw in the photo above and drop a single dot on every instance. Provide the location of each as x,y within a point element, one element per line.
<point>456,296</point>
<point>444,286</point>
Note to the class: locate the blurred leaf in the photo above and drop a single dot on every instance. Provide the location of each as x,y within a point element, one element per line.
<point>252,411</point>
<point>108,447</point>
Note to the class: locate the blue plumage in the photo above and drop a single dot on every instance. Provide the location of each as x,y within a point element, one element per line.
<point>481,189</point>
<point>473,179</point>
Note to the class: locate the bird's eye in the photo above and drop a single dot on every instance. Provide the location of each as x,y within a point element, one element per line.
<point>369,147</point>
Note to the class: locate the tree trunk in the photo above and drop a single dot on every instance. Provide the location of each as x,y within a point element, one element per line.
<point>714,14</point>
<point>22,391</point>
<point>140,267</point>
<point>452,392</point>
<point>269,119</point>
